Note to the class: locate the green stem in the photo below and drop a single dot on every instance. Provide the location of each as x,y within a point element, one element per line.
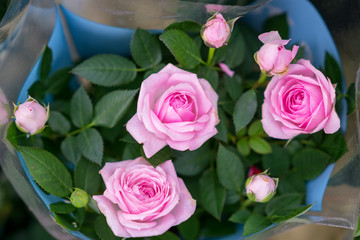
<point>260,81</point>
<point>79,130</point>
<point>210,56</point>
<point>246,203</point>
<point>141,69</point>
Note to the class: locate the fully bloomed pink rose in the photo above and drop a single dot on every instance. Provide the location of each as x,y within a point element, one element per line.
<point>299,102</point>
<point>30,116</point>
<point>141,200</point>
<point>272,57</point>
<point>216,32</point>
<point>174,108</point>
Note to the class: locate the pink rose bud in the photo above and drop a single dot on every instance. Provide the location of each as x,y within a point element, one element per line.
<point>143,201</point>
<point>272,57</point>
<point>253,170</point>
<point>261,187</point>
<point>216,32</point>
<point>30,116</point>
<point>174,108</point>
<point>225,68</point>
<point>299,102</point>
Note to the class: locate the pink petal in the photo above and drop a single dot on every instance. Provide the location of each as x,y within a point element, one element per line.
<point>271,37</point>
<point>333,123</point>
<point>110,210</point>
<point>186,206</point>
<point>226,69</point>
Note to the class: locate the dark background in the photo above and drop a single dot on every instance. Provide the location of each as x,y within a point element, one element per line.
<point>343,17</point>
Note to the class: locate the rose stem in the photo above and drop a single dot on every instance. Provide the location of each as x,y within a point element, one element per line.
<point>260,81</point>
<point>210,56</point>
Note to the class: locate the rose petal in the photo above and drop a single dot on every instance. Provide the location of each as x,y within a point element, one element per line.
<point>333,124</point>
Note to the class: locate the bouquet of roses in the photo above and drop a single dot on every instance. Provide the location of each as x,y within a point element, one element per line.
<point>237,115</point>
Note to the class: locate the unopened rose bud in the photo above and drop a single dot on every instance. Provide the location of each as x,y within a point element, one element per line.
<point>79,198</point>
<point>30,116</point>
<point>261,187</point>
<point>253,170</point>
<point>216,32</point>
<point>273,58</point>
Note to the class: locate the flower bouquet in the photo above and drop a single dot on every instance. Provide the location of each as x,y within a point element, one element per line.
<point>202,128</point>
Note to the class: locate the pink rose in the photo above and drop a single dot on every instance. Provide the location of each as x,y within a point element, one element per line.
<point>30,116</point>
<point>299,102</point>
<point>216,32</point>
<point>272,57</point>
<point>261,187</point>
<point>141,200</point>
<point>174,108</point>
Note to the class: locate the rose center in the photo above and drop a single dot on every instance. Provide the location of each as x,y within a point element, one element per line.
<point>177,107</point>
<point>298,98</point>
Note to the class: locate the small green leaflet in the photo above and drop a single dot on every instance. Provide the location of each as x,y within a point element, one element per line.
<point>158,158</point>
<point>245,109</point>
<point>287,214</point>
<point>81,109</point>
<point>91,145</point>
<point>255,223</point>
<point>45,64</point>
<point>107,70</point>
<point>62,208</point>
<point>70,150</point>
<point>182,47</point>
<point>112,107</point>
<point>87,176</point>
<point>212,193</point>
<point>59,123</point>
<point>145,49</point>
<point>48,171</point>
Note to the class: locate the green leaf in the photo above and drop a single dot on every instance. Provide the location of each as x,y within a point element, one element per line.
<point>335,145</point>
<point>58,123</point>
<point>240,216</point>
<point>70,150</point>
<point>153,70</point>
<point>278,161</point>
<point>259,145</point>
<point>91,145</point>
<point>67,221</point>
<point>45,64</point>
<point>37,90</point>
<point>310,162</point>
<point>286,214</point>
<point>230,169</point>
<point>87,176</point>
<point>233,86</point>
<point>190,229</point>
<point>293,182</point>
<point>245,109</point>
<point>166,236</point>
<point>333,70</point>
<point>81,109</point>
<point>212,194</point>
<point>285,201</point>
<point>243,146</point>
<point>350,98</point>
<point>255,223</point>
<point>278,23</point>
<point>186,26</point>
<point>145,49</point>
<point>112,107</point>
<point>61,207</point>
<point>103,230</point>
<point>48,171</point>
<point>107,70</point>
<point>222,134</point>
<point>191,163</point>
<point>182,47</point>
<point>255,128</point>
<point>209,74</point>
<point>58,80</point>
<point>357,231</point>
<point>235,51</point>
<point>158,158</point>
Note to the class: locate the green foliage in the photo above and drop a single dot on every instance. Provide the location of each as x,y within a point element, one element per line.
<point>145,49</point>
<point>81,108</point>
<point>87,176</point>
<point>112,107</point>
<point>47,171</point>
<point>240,216</point>
<point>166,236</point>
<point>259,145</point>
<point>335,145</point>
<point>350,99</point>
<point>230,169</point>
<point>190,229</point>
<point>186,26</point>
<point>70,150</point>
<point>212,194</point>
<point>158,158</point>
<point>256,222</point>
<point>310,162</point>
<point>191,163</point>
<point>286,214</point>
<point>103,230</point>
<point>59,123</point>
<point>283,202</point>
<point>234,86</point>
<point>182,47</point>
<point>91,145</point>
<point>245,109</point>
<point>45,64</point>
<point>333,70</point>
<point>107,70</point>
<point>278,161</point>
<point>62,208</point>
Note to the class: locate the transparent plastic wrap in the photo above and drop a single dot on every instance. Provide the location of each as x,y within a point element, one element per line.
<point>29,25</point>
